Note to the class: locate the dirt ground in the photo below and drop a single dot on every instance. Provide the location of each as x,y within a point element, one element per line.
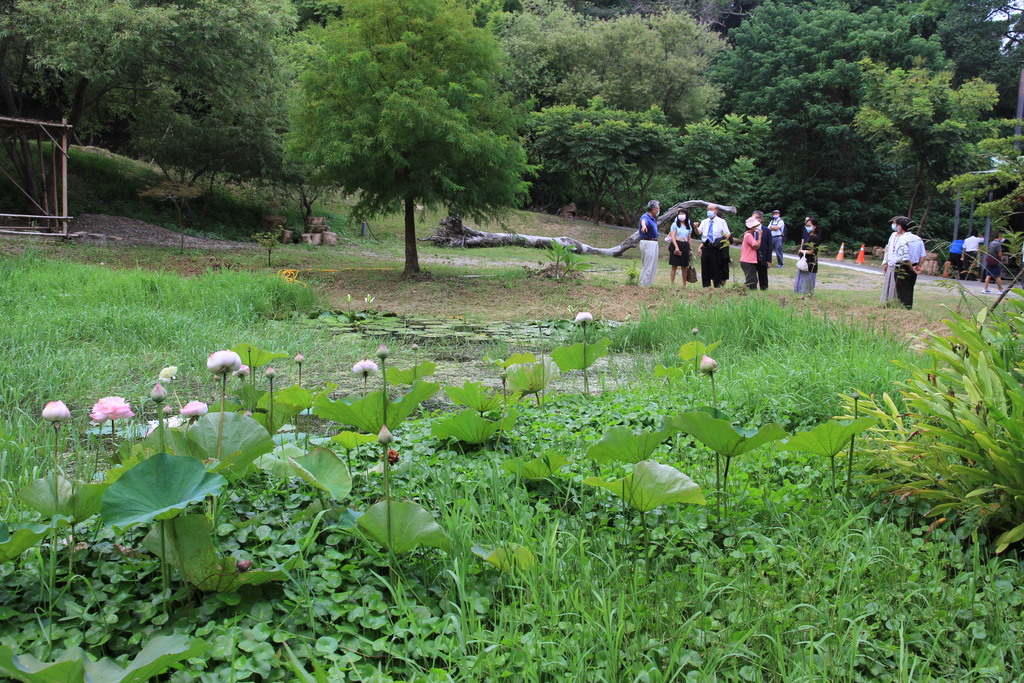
<point>130,232</point>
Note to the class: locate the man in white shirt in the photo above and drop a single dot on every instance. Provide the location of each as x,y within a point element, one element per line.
<point>777,226</point>
<point>906,257</point>
<point>714,244</point>
<point>971,246</point>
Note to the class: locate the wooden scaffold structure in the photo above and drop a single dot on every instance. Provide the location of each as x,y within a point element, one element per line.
<point>49,198</point>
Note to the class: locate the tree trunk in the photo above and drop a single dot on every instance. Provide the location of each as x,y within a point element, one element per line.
<point>452,232</point>
<point>412,261</point>
<point>927,210</point>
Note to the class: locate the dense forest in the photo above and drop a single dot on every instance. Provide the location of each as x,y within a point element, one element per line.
<point>851,110</point>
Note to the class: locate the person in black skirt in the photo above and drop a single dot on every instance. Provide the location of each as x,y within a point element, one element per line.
<point>679,251</point>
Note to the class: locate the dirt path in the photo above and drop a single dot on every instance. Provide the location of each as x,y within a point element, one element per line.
<point>130,232</point>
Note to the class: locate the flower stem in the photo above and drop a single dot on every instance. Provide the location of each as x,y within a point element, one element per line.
<point>223,400</point>
<point>270,420</point>
<point>586,379</point>
<point>849,461</point>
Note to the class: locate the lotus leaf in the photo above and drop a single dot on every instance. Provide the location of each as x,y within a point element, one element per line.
<point>254,357</point>
<point>158,656</point>
<point>75,501</point>
<point>278,461</point>
<point>580,356</point>
<point>323,469</point>
<point>652,484</point>
<point>468,427</point>
<point>244,439</point>
<point>674,372</point>
<point>620,443</point>
<point>352,440</point>
<point>410,375</point>
<point>157,488</point>
<point>720,436</point>
<point>411,526</point>
<point>476,396</point>
<point>191,550</point>
<point>514,359</point>
<point>828,438</point>
<point>541,467</point>
<point>367,414</point>
<point>695,350</point>
<point>507,557</point>
<point>14,542</point>
<point>533,378</point>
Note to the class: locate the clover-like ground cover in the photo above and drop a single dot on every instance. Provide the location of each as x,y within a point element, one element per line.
<point>796,580</point>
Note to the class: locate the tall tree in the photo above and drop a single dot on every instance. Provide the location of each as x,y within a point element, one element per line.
<point>398,103</point>
<point>557,56</point>
<point>920,121</point>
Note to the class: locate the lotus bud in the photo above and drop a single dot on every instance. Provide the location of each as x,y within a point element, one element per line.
<point>415,347</point>
<point>159,394</point>
<point>242,372</point>
<point>167,410</point>
<point>270,373</point>
<point>222,362</point>
<point>708,365</point>
<point>694,331</point>
<point>383,352</point>
<point>584,317</point>
<point>856,396</point>
<point>385,437</point>
<point>299,359</point>
<point>56,412</point>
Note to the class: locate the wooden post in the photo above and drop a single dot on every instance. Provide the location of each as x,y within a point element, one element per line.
<point>64,177</point>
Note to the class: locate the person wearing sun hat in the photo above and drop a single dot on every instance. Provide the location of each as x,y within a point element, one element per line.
<point>777,226</point>
<point>748,251</point>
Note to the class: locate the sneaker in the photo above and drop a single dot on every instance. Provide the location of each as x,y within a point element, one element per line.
<point>986,291</point>
<point>779,266</point>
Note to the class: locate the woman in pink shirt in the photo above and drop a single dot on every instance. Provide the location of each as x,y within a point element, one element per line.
<point>748,253</point>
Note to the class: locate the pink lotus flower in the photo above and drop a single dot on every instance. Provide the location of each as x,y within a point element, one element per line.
<point>708,365</point>
<point>110,408</point>
<point>56,411</point>
<point>221,362</point>
<point>299,359</point>
<point>194,409</point>
<point>584,317</point>
<point>270,373</point>
<point>364,368</point>
<point>243,371</point>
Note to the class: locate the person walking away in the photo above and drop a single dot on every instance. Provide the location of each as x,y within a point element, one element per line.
<point>649,243</point>
<point>889,279</point>
<point>908,253</point>
<point>994,264</point>
<point>748,252</point>
<point>679,238</point>
<point>777,226</point>
<point>956,257</point>
<point>714,234</point>
<point>971,262</point>
<point>805,280</point>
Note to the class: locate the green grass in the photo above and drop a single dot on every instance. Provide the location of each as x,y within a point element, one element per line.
<point>794,583</point>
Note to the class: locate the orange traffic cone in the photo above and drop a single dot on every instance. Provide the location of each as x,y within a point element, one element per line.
<point>842,252</point>
<point>860,256</point>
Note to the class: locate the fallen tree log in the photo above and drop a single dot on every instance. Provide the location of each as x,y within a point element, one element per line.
<point>452,232</point>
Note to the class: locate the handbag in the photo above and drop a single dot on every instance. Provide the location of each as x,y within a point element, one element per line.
<point>691,274</point>
<point>801,265</point>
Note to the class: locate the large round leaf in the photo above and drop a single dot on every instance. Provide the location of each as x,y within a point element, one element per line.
<point>828,438</point>
<point>578,356</point>
<point>652,484</point>
<point>157,488</point>
<point>15,542</point>
<point>76,501</point>
<point>411,526</point>
<point>620,443</point>
<point>244,439</point>
<point>468,426</point>
<point>720,436</point>
<point>323,469</point>
<point>367,414</point>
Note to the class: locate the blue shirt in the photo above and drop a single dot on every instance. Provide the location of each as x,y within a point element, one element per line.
<point>652,227</point>
<point>956,247</point>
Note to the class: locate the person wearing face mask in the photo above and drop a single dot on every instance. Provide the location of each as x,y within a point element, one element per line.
<point>907,254</point>
<point>679,256</point>
<point>748,251</point>
<point>889,280</point>
<point>777,228</point>
<point>649,243</point>
<point>994,264</point>
<point>805,280</point>
<point>714,235</point>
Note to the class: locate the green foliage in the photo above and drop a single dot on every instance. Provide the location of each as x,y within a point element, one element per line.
<point>603,150</point>
<point>544,466</point>
<point>402,527</point>
<point>652,485</point>
<point>621,444</point>
<point>76,501</point>
<point>189,547</point>
<point>918,120</point>
<point>828,438</point>
<point>508,557</point>
<point>999,191</point>
<point>323,469</point>
<point>532,378</point>
<point>721,436</point>
<point>157,488</point>
<point>14,542</point>
<point>410,375</point>
<point>470,427</point>
<point>159,655</point>
<point>580,356</point>
<point>367,413</point>
<point>398,102</point>
<point>565,261</point>
<point>558,57</point>
<point>232,440</point>
<point>960,444</point>
<point>474,395</point>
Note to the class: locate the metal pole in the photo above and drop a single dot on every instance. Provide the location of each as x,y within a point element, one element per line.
<point>988,222</point>
<point>956,219</point>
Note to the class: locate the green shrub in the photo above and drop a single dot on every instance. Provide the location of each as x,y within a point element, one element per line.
<point>960,443</point>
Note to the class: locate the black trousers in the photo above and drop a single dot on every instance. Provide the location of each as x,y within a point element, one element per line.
<point>762,274</point>
<point>906,278</point>
<point>711,266</point>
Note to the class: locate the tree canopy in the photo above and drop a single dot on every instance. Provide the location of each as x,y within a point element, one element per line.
<point>398,103</point>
